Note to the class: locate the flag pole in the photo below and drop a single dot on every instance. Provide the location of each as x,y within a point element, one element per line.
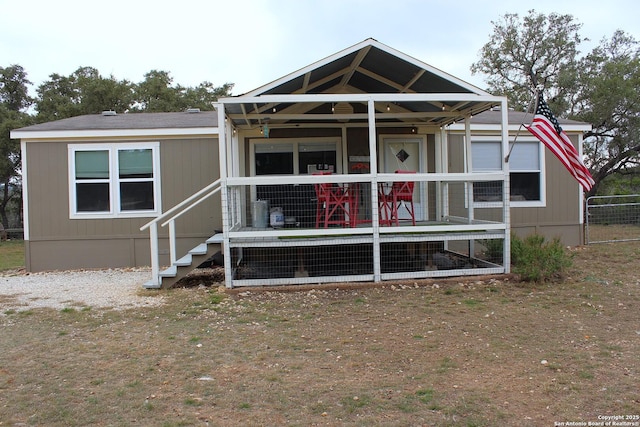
<point>534,101</point>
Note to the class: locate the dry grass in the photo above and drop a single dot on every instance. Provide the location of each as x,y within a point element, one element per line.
<point>455,353</point>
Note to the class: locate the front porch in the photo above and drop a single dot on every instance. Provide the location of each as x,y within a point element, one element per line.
<point>355,158</point>
<point>452,234</point>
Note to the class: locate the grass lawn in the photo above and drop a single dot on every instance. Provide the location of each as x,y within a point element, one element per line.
<point>11,254</point>
<point>449,353</point>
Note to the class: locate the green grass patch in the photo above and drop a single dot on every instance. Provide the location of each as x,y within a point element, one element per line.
<point>11,255</point>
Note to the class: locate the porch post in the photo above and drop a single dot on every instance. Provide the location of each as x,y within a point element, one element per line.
<point>373,164</point>
<point>222,150</point>
<point>468,166</point>
<point>442,149</point>
<point>506,198</point>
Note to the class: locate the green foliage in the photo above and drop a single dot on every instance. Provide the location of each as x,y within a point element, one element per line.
<point>535,50</point>
<point>540,52</point>
<point>494,249</point>
<point>14,101</point>
<point>609,99</point>
<point>536,260</point>
<point>85,91</point>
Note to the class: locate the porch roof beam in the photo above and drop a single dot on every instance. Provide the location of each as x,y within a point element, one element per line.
<point>378,97</point>
<point>403,89</point>
<point>413,80</point>
<point>244,114</point>
<point>355,64</point>
<point>331,116</point>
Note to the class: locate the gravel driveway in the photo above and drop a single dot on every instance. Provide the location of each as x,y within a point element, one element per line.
<point>110,288</point>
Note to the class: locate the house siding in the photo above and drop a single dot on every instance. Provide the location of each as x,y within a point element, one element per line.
<point>58,242</point>
<point>560,217</point>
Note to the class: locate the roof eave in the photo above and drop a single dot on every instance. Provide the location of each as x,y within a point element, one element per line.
<point>119,133</point>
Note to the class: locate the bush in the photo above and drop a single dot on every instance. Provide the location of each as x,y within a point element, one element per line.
<point>536,260</point>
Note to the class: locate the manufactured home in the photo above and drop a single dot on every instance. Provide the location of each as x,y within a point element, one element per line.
<point>367,165</point>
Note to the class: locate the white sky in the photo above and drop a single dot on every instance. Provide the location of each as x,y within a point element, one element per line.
<point>253,42</point>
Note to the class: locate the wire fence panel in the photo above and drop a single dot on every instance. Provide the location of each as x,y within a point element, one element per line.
<point>613,219</point>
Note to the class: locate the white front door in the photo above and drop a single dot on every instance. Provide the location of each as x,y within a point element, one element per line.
<point>405,154</point>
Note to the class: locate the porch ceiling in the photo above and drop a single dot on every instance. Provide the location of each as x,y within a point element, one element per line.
<point>344,82</point>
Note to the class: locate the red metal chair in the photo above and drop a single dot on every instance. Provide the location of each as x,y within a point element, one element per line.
<point>402,195</point>
<point>385,200</point>
<point>335,204</point>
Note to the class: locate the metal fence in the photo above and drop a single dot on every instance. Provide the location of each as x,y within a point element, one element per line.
<point>612,219</point>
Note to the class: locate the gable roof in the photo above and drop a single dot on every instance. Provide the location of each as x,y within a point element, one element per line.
<point>401,85</point>
<point>129,124</point>
<point>367,67</point>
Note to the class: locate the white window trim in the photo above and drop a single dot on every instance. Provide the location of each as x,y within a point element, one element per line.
<point>114,181</point>
<point>543,176</point>
<point>295,142</point>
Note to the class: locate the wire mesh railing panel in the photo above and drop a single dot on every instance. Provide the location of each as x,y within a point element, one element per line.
<point>441,255</point>
<point>612,219</point>
<point>303,264</point>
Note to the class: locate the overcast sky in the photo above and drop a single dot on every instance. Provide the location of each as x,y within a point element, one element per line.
<point>253,42</point>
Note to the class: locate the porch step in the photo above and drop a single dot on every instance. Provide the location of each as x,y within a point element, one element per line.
<point>201,249</point>
<point>169,272</point>
<point>151,285</point>
<point>169,276</point>
<point>184,261</point>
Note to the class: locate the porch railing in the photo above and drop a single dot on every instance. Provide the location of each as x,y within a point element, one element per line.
<point>436,198</point>
<point>455,209</point>
<point>169,218</point>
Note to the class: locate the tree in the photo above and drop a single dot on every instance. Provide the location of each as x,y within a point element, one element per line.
<point>14,101</point>
<point>85,91</point>
<point>541,53</point>
<point>205,94</point>
<point>609,99</point>
<point>14,88</point>
<point>158,94</point>
<point>538,52</point>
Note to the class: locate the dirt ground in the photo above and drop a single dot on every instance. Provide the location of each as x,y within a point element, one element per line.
<point>479,352</point>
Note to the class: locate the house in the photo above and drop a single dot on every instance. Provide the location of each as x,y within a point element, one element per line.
<point>367,165</point>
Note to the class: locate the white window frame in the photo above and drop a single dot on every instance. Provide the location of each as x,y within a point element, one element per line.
<point>114,180</point>
<point>542,202</point>
<point>295,143</point>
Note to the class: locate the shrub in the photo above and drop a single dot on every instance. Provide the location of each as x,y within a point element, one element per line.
<point>537,260</point>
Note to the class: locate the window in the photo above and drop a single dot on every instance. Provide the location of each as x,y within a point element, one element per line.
<point>525,171</point>
<point>295,157</point>
<point>114,180</point>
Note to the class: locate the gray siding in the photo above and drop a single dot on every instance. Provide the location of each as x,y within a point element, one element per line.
<point>57,242</point>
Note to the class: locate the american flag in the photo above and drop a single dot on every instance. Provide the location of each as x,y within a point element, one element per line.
<point>546,128</point>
